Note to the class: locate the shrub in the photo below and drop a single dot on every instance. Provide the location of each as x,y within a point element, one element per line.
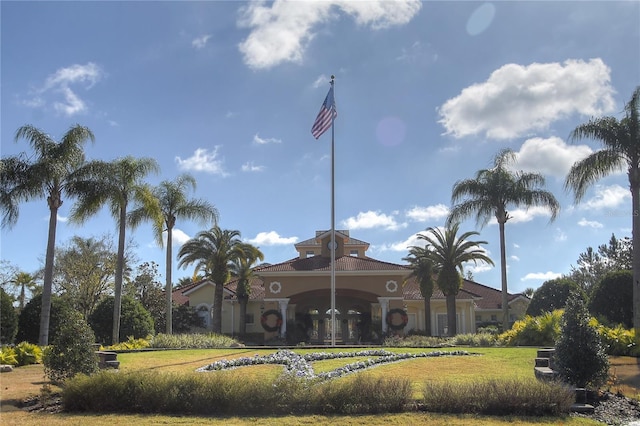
<point>219,393</point>
<point>8,319</point>
<point>29,319</point>
<point>192,341</point>
<point>617,340</point>
<point>135,320</point>
<point>475,340</point>
<point>417,341</point>
<point>28,353</point>
<point>8,356</point>
<point>71,351</point>
<point>542,330</point>
<point>581,358</point>
<point>504,397</point>
<point>130,344</point>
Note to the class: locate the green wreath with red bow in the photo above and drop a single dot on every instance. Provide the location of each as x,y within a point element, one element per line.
<point>267,327</point>
<point>403,315</point>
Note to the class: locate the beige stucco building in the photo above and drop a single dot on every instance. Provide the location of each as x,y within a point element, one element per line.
<point>372,298</point>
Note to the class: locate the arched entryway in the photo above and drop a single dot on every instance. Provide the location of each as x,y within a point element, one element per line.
<point>352,316</point>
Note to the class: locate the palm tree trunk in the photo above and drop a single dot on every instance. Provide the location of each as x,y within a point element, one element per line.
<point>216,323</point>
<point>168,289</point>
<point>427,316</point>
<point>117,299</point>
<point>634,180</point>
<point>243,315</point>
<point>503,276</point>
<point>451,314</point>
<point>45,312</point>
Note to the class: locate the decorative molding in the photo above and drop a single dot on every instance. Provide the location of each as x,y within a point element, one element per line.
<point>275,287</point>
<point>391,286</point>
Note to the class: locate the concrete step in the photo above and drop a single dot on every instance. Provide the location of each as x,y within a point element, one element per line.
<point>542,362</point>
<point>546,352</point>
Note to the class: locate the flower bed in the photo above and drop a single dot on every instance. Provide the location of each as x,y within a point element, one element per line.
<point>300,365</point>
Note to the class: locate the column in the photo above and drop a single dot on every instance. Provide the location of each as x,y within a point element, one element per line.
<point>282,303</point>
<point>384,305</point>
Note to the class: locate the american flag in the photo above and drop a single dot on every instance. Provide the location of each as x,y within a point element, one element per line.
<point>326,115</point>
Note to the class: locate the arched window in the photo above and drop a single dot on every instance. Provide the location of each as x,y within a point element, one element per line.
<point>204,313</point>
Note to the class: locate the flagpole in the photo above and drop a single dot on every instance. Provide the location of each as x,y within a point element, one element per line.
<point>333,227</point>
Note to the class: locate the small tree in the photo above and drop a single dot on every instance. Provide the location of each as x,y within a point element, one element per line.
<point>8,319</point>
<point>135,320</point>
<point>612,298</point>
<point>581,357</point>
<point>552,295</point>
<point>29,318</point>
<point>71,351</point>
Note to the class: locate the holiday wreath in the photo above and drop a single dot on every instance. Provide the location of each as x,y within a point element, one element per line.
<point>403,315</point>
<point>267,327</point>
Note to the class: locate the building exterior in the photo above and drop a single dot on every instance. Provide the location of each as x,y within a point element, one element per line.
<point>372,298</point>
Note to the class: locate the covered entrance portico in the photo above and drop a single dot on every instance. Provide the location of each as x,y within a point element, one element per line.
<point>352,316</point>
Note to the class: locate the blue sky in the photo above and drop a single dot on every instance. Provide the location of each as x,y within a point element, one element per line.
<point>427,93</point>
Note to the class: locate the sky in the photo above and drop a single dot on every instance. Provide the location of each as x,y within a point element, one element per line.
<point>427,94</point>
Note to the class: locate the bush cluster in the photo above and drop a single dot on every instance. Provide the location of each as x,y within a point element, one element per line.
<point>542,330</point>
<point>24,353</point>
<point>218,394</point>
<point>499,397</point>
<point>135,320</point>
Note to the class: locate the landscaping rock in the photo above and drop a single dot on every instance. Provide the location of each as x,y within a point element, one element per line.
<point>6,368</point>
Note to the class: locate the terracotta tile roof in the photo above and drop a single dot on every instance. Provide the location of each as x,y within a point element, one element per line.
<point>343,264</point>
<point>485,297</point>
<point>257,289</point>
<point>178,293</point>
<point>341,234</point>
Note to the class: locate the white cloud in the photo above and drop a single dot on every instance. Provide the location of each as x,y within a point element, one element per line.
<point>178,237</point>
<point>541,276</point>
<point>590,223</point>
<point>272,238</point>
<point>428,213</point>
<point>371,219</point>
<point>517,99</point>
<point>200,42</point>
<point>607,197</point>
<point>63,219</point>
<point>403,246</point>
<point>523,215</point>
<point>321,81</point>
<point>250,167</point>
<point>551,156</point>
<point>514,258</point>
<point>203,161</point>
<point>58,87</point>
<point>282,30</point>
<point>262,141</point>
<point>560,235</point>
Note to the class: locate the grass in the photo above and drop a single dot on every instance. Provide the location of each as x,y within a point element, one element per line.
<point>494,363</point>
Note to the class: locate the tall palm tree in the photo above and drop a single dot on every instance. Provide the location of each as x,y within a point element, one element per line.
<point>51,173</point>
<point>116,184</point>
<point>489,195</point>
<point>422,270</point>
<point>449,253</point>
<point>242,270</point>
<point>621,140</point>
<point>174,204</point>
<point>212,252</point>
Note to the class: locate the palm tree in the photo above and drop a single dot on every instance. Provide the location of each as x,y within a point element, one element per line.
<point>51,173</point>
<point>24,281</point>
<point>116,184</point>
<point>242,270</point>
<point>174,204</point>
<point>422,270</point>
<point>449,253</point>
<point>621,140</point>
<point>213,252</point>
<point>489,195</point>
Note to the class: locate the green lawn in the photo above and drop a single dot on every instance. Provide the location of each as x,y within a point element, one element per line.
<point>486,363</point>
